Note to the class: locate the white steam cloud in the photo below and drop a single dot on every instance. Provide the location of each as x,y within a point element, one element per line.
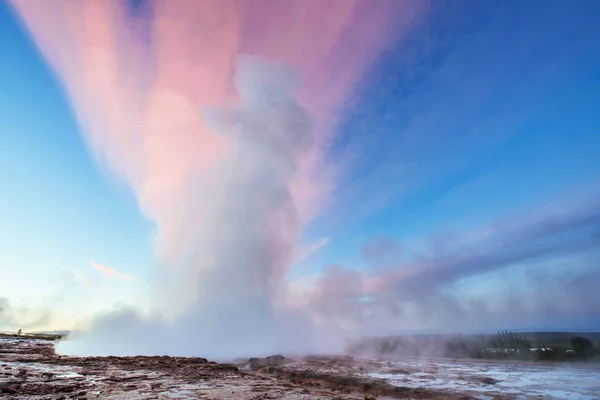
<point>241,226</point>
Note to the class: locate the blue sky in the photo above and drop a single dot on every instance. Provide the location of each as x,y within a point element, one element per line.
<point>496,113</point>
<point>57,204</point>
<point>485,114</point>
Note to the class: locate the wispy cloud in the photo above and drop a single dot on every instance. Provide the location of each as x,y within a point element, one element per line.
<point>110,273</point>
<point>424,290</point>
<point>381,251</point>
<point>305,252</point>
<point>551,236</point>
<point>452,95</point>
<point>79,276</point>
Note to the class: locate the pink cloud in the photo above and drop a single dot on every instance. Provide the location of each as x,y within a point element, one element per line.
<point>430,283</point>
<point>110,273</point>
<point>80,277</point>
<point>136,84</point>
<point>313,248</point>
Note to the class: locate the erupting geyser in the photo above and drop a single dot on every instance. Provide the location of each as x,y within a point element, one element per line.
<point>217,115</point>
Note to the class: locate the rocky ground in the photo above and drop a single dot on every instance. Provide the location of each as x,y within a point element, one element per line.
<point>29,369</point>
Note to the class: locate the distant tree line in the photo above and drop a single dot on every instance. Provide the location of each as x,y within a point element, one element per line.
<point>500,345</point>
<point>583,348</point>
<point>510,345</point>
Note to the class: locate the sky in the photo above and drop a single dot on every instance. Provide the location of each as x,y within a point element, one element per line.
<point>375,167</point>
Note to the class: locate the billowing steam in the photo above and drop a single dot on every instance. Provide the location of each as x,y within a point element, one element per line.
<point>245,230</point>
<point>223,151</point>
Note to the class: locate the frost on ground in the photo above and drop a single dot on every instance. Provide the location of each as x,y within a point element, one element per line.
<point>29,369</point>
<point>489,379</point>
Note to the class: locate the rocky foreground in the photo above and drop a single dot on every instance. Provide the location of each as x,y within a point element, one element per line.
<point>30,369</point>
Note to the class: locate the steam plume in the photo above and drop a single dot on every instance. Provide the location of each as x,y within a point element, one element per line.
<point>231,188</point>
<point>245,230</point>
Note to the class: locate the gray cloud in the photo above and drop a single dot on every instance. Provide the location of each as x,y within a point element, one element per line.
<point>548,237</point>
<point>422,292</point>
<point>381,249</point>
